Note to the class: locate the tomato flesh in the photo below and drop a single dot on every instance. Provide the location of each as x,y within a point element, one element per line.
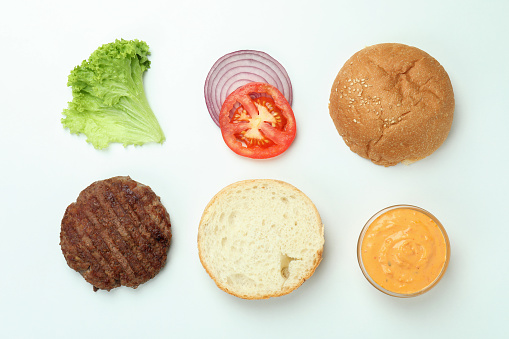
<point>256,121</point>
<point>267,113</point>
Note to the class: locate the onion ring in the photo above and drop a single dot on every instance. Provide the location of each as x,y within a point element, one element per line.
<point>239,68</point>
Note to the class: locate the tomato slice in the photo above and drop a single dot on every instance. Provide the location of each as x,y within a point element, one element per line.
<point>257,122</point>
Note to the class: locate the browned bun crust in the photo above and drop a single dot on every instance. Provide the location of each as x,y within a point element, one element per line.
<point>117,233</point>
<point>392,103</point>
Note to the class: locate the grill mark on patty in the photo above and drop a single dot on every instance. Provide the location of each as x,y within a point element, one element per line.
<point>147,219</point>
<point>114,257</point>
<point>117,243</point>
<point>119,238</point>
<point>134,239</point>
<point>77,252</point>
<point>80,227</point>
<point>137,211</point>
<point>145,242</point>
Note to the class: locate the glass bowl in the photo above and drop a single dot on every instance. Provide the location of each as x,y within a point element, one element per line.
<point>386,290</point>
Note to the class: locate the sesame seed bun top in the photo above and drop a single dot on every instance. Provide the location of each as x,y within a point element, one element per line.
<point>392,103</point>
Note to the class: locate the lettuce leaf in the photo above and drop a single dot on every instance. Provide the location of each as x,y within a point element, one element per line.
<point>109,103</point>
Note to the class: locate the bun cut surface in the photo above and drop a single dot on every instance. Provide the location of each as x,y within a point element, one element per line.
<point>392,103</point>
<point>260,238</point>
<point>117,233</point>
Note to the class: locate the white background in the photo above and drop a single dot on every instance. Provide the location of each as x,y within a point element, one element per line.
<point>44,167</point>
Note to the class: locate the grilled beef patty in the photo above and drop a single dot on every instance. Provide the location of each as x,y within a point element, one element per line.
<point>117,233</point>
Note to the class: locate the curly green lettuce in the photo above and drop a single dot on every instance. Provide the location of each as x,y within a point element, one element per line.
<point>109,103</point>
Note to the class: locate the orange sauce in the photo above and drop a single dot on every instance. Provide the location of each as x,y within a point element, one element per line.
<point>404,250</point>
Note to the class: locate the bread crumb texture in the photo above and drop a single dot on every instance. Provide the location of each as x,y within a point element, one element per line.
<point>260,238</point>
<point>392,103</point>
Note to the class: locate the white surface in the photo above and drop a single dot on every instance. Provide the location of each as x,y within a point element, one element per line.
<point>44,167</point>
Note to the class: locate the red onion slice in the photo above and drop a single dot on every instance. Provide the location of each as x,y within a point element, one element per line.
<point>239,68</point>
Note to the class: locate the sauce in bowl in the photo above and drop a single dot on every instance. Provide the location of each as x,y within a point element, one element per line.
<point>403,251</point>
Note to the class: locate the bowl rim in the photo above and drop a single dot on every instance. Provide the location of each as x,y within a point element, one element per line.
<point>439,276</point>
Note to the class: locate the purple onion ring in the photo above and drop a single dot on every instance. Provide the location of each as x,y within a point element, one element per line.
<point>239,68</point>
